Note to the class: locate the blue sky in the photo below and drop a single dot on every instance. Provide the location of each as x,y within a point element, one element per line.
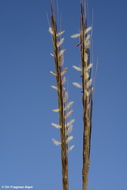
<point>27,155</point>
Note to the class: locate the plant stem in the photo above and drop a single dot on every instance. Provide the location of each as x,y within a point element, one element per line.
<point>62,121</point>
<point>86,100</point>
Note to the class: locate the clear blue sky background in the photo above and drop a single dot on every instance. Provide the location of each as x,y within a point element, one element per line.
<point>27,155</point>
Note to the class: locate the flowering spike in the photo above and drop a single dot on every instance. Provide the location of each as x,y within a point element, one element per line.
<point>87,99</point>
<point>61,95</point>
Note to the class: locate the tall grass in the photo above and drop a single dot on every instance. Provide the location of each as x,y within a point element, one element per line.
<point>64,106</point>
<point>86,97</point>
<point>87,90</point>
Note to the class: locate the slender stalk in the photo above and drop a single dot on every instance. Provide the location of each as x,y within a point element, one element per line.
<point>86,98</point>
<point>58,54</point>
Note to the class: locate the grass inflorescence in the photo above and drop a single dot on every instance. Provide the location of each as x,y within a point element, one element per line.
<point>64,107</point>
<point>87,90</point>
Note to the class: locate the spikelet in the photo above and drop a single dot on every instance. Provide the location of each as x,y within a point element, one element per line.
<point>75,35</point>
<point>70,148</point>
<point>87,44</point>
<point>88,37</point>
<point>60,42</point>
<point>77,84</point>
<point>88,29</point>
<point>89,66</point>
<point>54,74</point>
<point>91,90</point>
<point>86,57</point>
<point>63,80</point>
<point>60,33</point>
<point>69,139</point>
<point>87,93</point>
<point>68,114</point>
<point>70,122</point>
<point>56,110</point>
<point>52,54</point>
<point>50,31</point>
<point>88,84</point>
<point>61,59</point>
<point>86,75</point>
<point>68,105</point>
<point>61,52</point>
<point>56,125</point>
<point>69,130</point>
<point>65,96</point>
<point>54,87</point>
<point>77,68</point>
<point>56,142</point>
<point>64,71</point>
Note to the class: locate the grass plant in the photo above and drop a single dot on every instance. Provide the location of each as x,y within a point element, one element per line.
<point>87,90</point>
<point>64,107</point>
